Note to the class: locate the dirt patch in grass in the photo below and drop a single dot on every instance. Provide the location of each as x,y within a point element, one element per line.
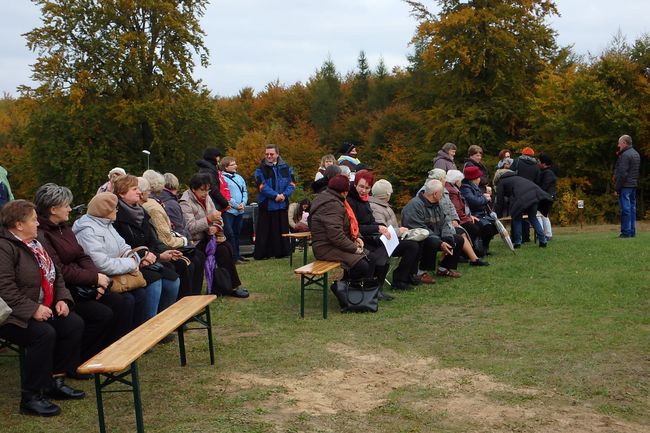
<point>372,380</point>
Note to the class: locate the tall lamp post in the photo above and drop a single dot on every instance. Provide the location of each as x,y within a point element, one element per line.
<point>146,152</point>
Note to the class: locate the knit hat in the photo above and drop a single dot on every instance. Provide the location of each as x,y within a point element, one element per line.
<point>454,176</point>
<point>346,147</point>
<point>211,153</point>
<point>102,205</point>
<point>528,151</point>
<point>382,189</point>
<point>118,170</point>
<point>472,172</point>
<point>339,183</point>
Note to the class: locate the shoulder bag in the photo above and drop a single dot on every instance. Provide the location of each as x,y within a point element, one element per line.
<point>130,281</point>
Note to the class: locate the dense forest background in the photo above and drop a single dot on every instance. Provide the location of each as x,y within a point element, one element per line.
<point>116,79</point>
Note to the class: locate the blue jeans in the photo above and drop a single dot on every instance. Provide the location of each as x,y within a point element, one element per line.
<point>232,225</point>
<point>627,202</point>
<point>158,296</point>
<point>532,219</point>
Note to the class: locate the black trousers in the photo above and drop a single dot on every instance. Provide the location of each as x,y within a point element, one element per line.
<point>51,347</point>
<point>97,319</point>
<point>363,269</point>
<point>431,245</point>
<point>268,233</point>
<point>409,251</point>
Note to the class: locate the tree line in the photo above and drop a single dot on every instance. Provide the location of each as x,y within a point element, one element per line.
<point>116,79</point>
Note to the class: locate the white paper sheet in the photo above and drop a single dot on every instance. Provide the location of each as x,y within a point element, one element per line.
<point>392,243</point>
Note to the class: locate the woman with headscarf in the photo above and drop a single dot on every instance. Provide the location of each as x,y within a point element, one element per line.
<point>41,320</point>
<point>406,271</point>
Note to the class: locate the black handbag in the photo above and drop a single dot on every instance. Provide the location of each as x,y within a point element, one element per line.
<point>357,295</point>
<point>84,293</point>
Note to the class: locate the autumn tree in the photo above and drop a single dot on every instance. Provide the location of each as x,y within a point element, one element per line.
<point>116,78</point>
<point>326,94</point>
<point>481,59</point>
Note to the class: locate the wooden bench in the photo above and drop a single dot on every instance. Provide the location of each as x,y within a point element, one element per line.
<point>315,274</point>
<point>119,360</point>
<point>298,238</point>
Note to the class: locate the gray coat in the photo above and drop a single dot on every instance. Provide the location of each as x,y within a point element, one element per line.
<point>444,161</point>
<point>421,213</point>
<point>626,173</point>
<point>104,245</point>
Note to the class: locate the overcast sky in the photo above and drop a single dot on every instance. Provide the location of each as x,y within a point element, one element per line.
<point>253,42</point>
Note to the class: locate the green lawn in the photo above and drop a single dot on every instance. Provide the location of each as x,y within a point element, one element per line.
<point>545,340</point>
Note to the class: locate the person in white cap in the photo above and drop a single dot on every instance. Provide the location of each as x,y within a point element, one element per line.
<point>112,175</point>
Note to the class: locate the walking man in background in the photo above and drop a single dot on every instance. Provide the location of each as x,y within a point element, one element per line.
<point>626,179</point>
<point>275,183</point>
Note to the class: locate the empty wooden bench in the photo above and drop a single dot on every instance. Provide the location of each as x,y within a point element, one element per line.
<point>315,274</point>
<point>119,360</point>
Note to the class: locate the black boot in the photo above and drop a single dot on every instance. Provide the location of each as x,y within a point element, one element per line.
<point>33,403</point>
<point>61,391</point>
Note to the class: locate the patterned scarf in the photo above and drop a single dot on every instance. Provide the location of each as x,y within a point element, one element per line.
<point>46,267</point>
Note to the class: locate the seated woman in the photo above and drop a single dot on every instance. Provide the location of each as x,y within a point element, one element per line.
<point>95,234</point>
<point>477,201</point>
<point>409,251</point>
<point>298,214</point>
<point>335,231</point>
<point>369,228</point>
<point>133,224</point>
<point>110,315</point>
<point>203,221</point>
<point>168,197</point>
<point>152,182</point>
<point>41,320</point>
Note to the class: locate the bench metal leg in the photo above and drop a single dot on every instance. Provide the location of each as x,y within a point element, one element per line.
<point>206,324</point>
<point>304,251</point>
<point>100,404</point>
<point>313,280</point>
<point>181,345</point>
<point>137,401</point>
<point>208,319</point>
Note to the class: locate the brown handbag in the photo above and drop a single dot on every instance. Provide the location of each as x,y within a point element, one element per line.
<point>135,280</point>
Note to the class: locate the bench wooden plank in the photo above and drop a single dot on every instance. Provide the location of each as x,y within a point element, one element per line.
<point>319,267</point>
<point>119,355</point>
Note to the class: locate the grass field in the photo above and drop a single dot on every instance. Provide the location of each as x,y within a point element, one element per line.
<point>554,340</point>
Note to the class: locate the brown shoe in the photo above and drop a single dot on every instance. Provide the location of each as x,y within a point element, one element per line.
<point>427,279</point>
<point>448,273</point>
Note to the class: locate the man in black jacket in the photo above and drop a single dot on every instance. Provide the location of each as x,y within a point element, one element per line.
<point>626,178</point>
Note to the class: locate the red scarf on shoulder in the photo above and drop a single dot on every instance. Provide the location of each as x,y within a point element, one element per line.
<point>354,224</point>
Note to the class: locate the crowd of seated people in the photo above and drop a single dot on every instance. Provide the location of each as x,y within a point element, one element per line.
<point>59,277</point>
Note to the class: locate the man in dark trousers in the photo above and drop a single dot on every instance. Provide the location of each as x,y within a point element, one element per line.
<point>275,183</point>
<point>626,180</point>
<point>219,192</point>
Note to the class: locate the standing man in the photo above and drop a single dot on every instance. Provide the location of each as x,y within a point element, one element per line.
<point>626,179</point>
<point>275,183</point>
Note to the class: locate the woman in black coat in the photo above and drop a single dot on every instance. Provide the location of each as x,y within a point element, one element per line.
<point>524,197</point>
<point>368,227</point>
